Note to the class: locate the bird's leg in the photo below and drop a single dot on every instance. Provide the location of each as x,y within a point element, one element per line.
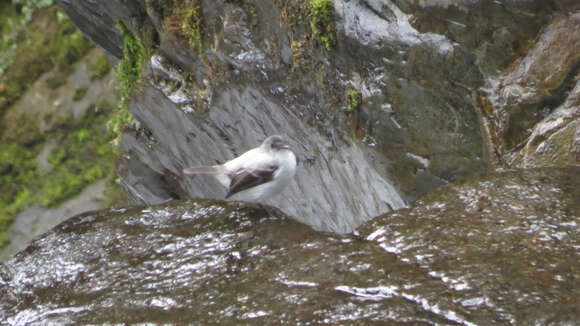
<point>271,211</point>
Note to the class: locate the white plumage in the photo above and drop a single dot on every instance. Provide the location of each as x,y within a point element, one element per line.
<point>257,174</point>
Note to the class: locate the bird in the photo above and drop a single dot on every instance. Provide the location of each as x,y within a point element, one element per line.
<point>257,174</point>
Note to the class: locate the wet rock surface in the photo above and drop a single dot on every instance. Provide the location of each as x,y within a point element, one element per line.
<point>534,102</point>
<point>505,244</point>
<point>500,249</point>
<point>35,221</point>
<point>435,80</point>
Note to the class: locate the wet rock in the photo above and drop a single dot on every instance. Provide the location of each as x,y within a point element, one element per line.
<point>500,249</point>
<point>538,92</point>
<point>98,21</point>
<point>526,55</point>
<point>555,139</point>
<point>35,220</point>
<point>505,245</point>
<point>317,195</point>
<point>260,71</point>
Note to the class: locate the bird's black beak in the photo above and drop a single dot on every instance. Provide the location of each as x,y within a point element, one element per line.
<point>280,144</point>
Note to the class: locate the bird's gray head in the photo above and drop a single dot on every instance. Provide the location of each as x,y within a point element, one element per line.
<point>275,143</point>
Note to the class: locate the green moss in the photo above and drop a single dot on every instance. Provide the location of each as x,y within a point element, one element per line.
<point>162,8</point>
<point>293,13</point>
<point>251,13</point>
<point>83,135</point>
<point>353,100</point>
<point>71,47</point>
<point>10,210</point>
<point>48,44</point>
<point>83,154</point>
<point>80,93</point>
<point>130,67</point>
<point>17,167</point>
<point>191,26</point>
<point>18,178</point>
<point>128,74</point>
<point>16,15</point>
<point>322,22</point>
<point>100,68</point>
<point>82,157</point>
<point>56,79</point>
<point>120,120</point>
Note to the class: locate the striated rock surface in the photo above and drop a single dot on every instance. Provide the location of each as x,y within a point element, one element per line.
<point>556,139</point>
<point>533,105</point>
<point>436,82</point>
<point>500,249</point>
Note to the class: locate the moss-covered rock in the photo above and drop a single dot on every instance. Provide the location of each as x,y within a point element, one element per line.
<point>50,42</point>
<point>83,154</point>
<point>322,22</point>
<point>353,100</point>
<point>100,68</point>
<point>129,74</point>
<point>192,25</point>
<point>134,59</point>
<point>80,93</point>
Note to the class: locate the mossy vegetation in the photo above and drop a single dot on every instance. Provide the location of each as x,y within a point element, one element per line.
<point>311,23</point>
<point>162,8</point>
<point>182,19</point>
<point>300,55</point>
<point>191,26</point>
<point>49,42</point>
<point>17,167</point>
<point>293,13</point>
<point>100,68</point>
<point>15,17</point>
<point>38,38</point>
<point>128,73</point>
<point>353,100</point>
<point>322,22</point>
<point>130,67</point>
<point>73,161</point>
<point>83,155</point>
<point>80,93</point>
<point>251,12</point>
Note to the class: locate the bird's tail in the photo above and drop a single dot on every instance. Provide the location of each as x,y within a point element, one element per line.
<point>214,169</point>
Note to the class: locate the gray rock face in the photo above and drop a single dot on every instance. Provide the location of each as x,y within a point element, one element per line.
<point>536,97</point>
<point>499,250</point>
<point>442,87</point>
<point>425,70</point>
<point>315,197</point>
<point>98,19</point>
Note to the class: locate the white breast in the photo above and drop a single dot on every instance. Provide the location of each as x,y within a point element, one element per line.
<point>286,160</point>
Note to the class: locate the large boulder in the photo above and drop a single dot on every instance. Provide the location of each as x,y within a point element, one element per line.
<point>500,249</point>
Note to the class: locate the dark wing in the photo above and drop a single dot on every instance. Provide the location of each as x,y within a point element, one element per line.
<point>244,179</point>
